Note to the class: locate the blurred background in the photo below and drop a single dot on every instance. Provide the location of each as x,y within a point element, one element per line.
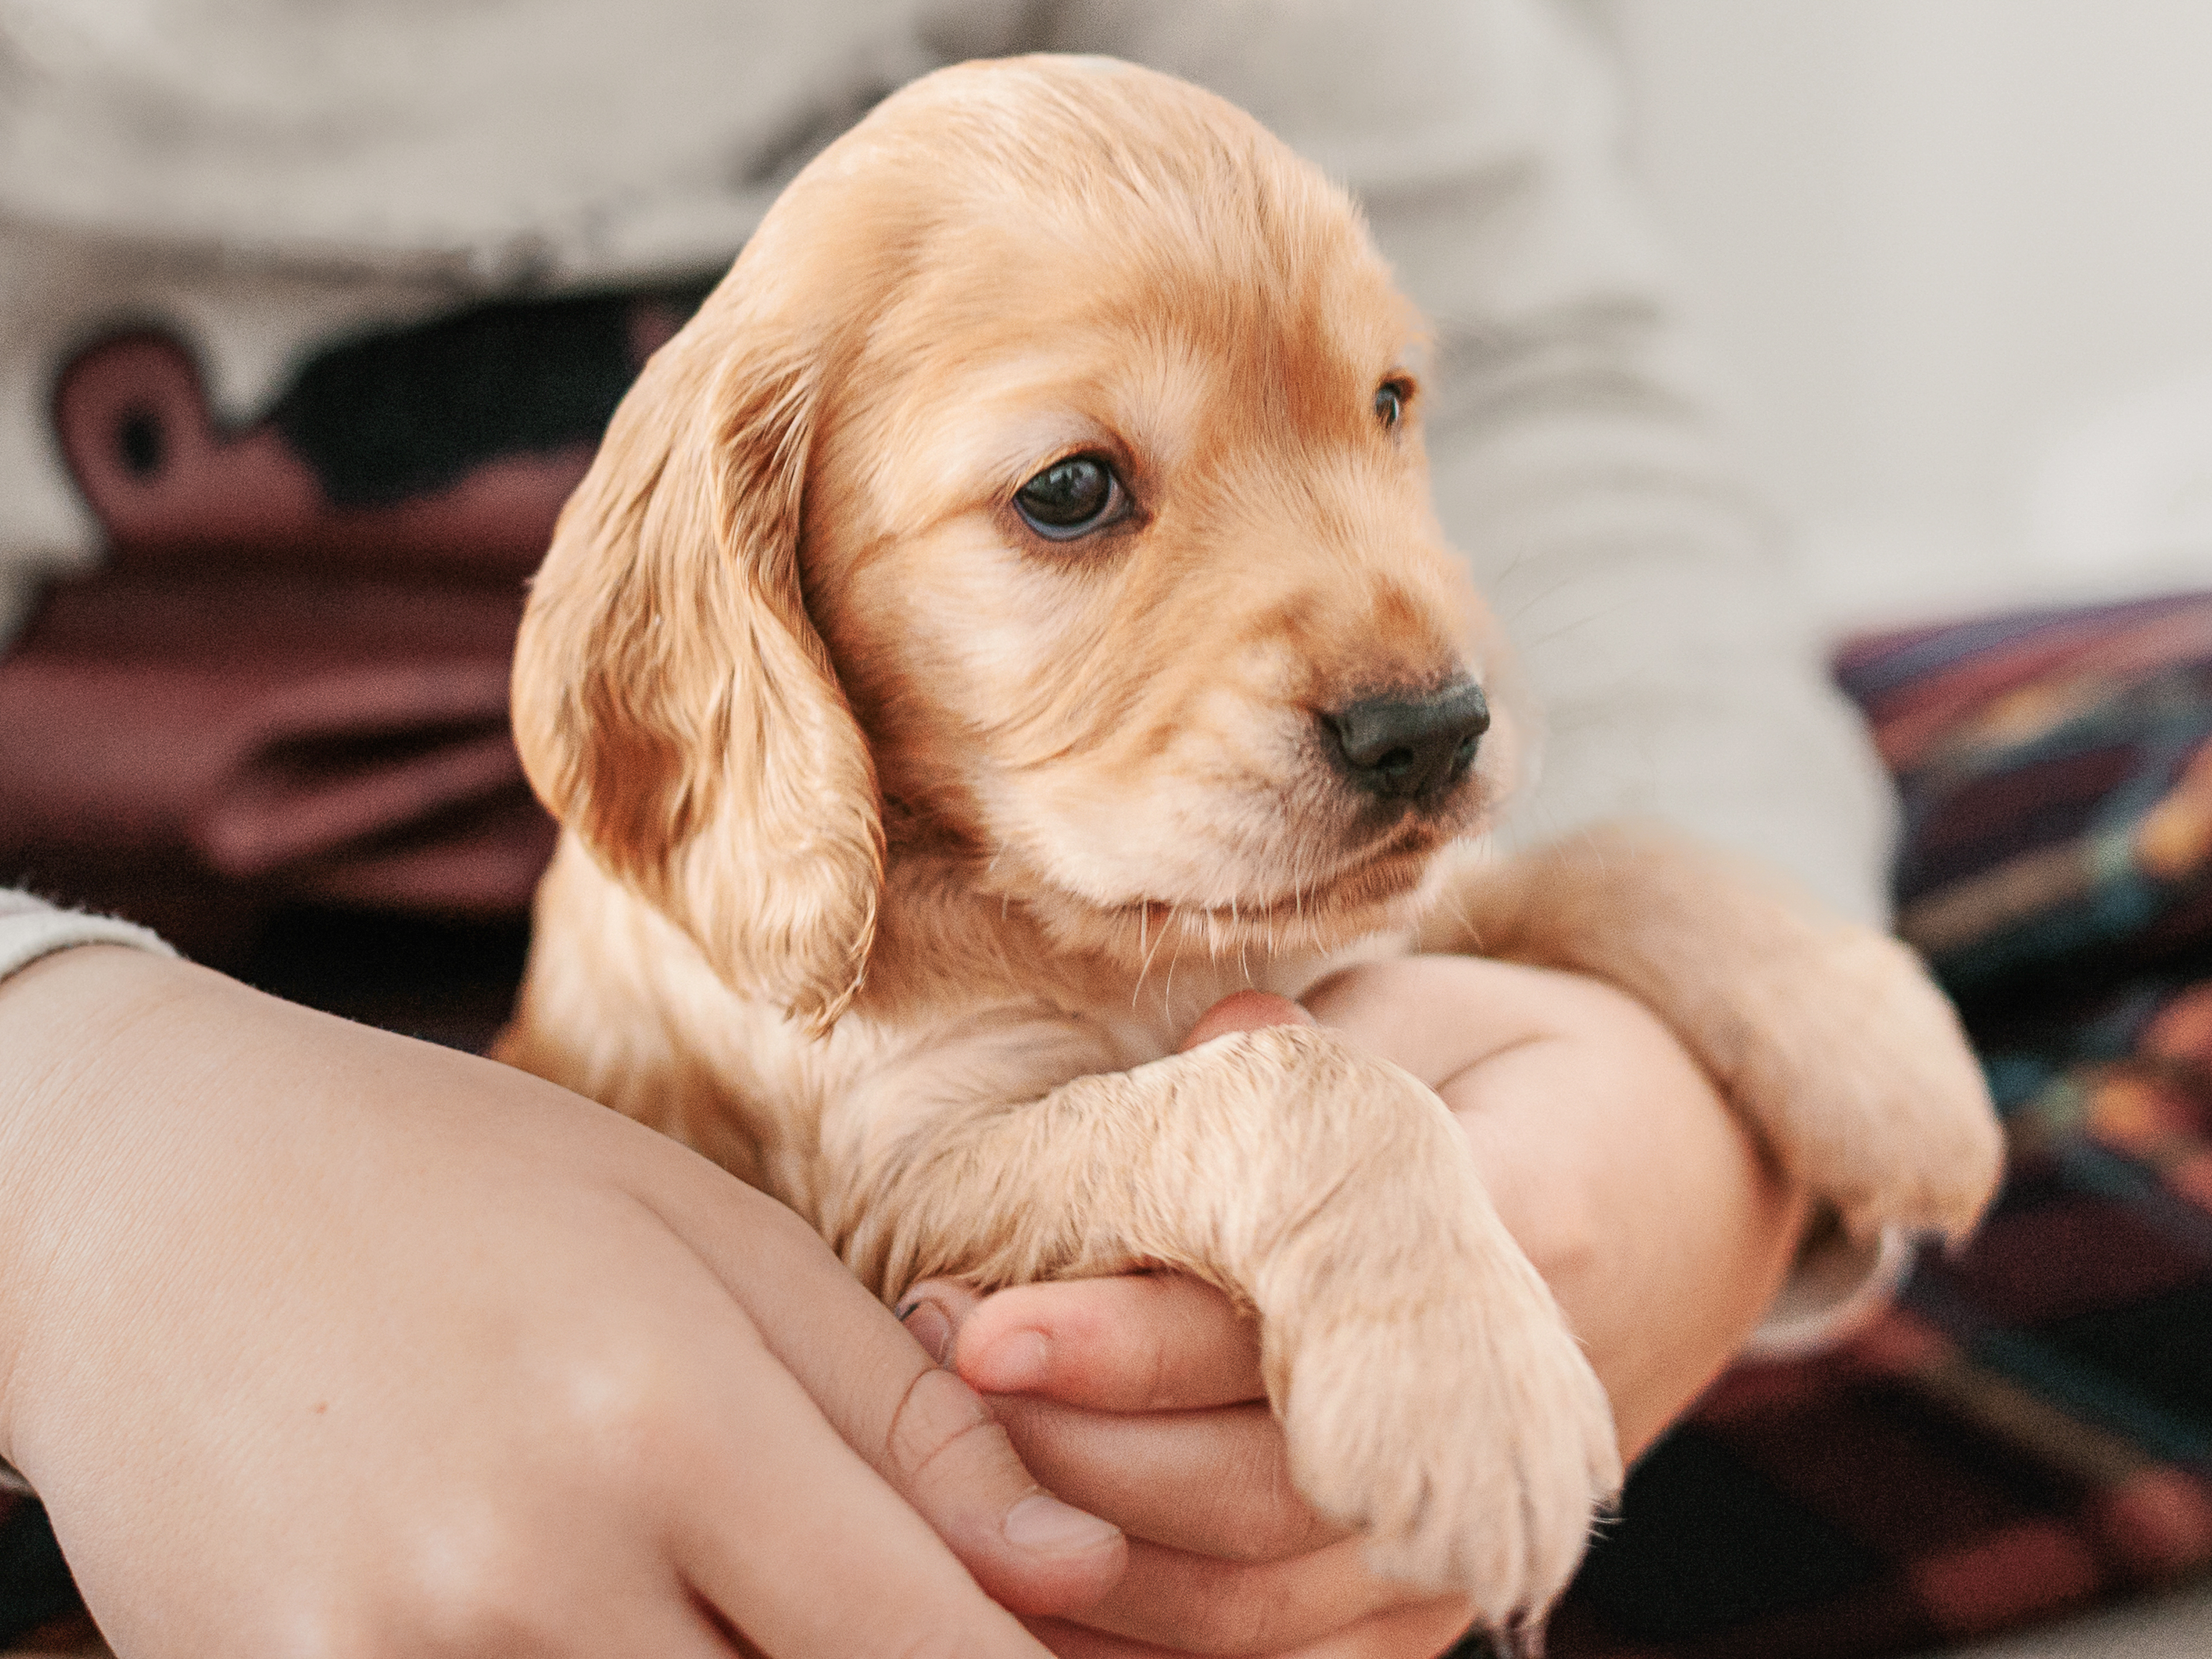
<point>1957,256</point>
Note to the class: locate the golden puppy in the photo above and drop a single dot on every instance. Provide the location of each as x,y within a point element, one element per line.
<point>1007,619</point>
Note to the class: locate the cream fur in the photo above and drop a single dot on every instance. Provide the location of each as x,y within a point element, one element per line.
<point>903,847</point>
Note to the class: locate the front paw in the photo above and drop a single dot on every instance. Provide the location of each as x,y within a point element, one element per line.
<point>1461,1432</point>
<point>1868,1090</point>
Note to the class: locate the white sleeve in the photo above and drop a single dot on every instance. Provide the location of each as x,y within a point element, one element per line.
<point>30,928</point>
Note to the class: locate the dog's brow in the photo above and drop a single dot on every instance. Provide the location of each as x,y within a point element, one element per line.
<point>1163,394</point>
<point>1014,416</point>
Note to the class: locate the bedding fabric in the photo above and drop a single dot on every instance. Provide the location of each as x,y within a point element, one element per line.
<point>2029,1430</point>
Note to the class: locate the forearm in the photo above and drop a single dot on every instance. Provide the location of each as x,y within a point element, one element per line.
<point>80,1101</point>
<point>1611,1159</point>
<point>1684,1214</point>
<point>248,1250</point>
<point>57,1000</point>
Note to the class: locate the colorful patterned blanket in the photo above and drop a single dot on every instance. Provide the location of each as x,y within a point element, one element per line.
<point>2030,1431</point>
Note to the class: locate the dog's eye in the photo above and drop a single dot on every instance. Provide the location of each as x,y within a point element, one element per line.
<point>1390,402</point>
<point>1070,498</point>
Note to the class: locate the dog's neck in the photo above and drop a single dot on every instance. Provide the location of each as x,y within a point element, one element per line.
<point>945,941</point>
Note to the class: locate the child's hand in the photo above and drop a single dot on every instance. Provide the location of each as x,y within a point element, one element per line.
<point>1140,1398</point>
<point>318,1341</point>
<point>1616,1166</point>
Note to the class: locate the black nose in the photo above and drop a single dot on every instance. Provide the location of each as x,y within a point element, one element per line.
<point>1405,749</point>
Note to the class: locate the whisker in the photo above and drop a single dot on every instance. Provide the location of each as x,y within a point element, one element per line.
<point>1143,972</point>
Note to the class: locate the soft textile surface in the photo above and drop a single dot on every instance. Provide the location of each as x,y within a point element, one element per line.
<point>2031,1430</point>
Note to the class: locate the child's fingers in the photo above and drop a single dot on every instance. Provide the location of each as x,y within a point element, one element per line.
<point>1214,1483</point>
<point>1247,1010</point>
<point>1198,1603</point>
<point>1419,1632</point>
<point>934,1312</point>
<point>1138,1342</point>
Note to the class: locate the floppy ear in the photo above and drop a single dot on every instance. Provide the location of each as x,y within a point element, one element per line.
<point>674,704</point>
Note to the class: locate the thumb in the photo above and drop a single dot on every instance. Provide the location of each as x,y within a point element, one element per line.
<point>1247,1010</point>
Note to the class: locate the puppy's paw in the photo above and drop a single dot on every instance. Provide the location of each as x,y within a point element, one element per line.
<point>1461,1432</point>
<point>1868,1090</point>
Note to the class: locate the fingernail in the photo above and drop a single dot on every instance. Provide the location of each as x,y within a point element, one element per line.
<point>1042,1522</point>
<point>1013,1364</point>
<point>926,1322</point>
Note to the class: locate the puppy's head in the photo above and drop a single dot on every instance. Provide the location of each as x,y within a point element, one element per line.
<point>1045,480</point>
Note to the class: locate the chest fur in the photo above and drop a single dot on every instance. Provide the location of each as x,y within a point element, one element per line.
<point>625,1009</point>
